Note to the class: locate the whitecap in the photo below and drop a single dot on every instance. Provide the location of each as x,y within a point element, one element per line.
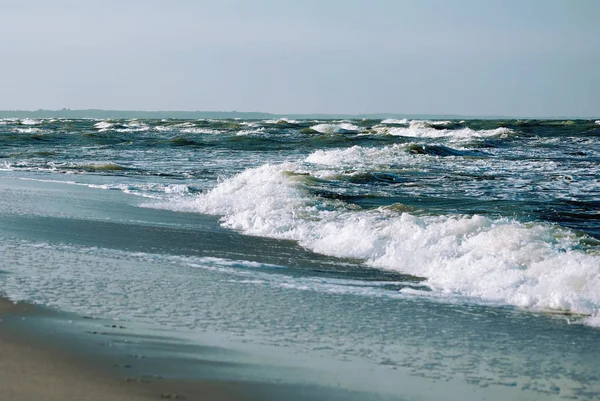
<point>251,124</point>
<point>163,128</point>
<point>430,123</point>
<point>186,124</point>
<point>30,121</point>
<point>134,126</point>
<point>103,125</point>
<point>197,130</point>
<point>334,128</point>
<point>30,130</point>
<point>425,129</point>
<point>394,121</point>
<point>250,131</point>
<point>282,121</point>
<point>134,129</point>
<point>359,156</point>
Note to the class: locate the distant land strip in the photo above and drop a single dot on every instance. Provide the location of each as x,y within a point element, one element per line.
<point>194,115</point>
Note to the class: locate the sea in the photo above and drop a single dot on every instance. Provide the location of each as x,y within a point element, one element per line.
<point>405,259</point>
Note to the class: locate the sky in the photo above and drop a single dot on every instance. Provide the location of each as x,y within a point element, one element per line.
<point>470,57</point>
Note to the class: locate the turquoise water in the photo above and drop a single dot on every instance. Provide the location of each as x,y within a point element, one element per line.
<point>448,255</point>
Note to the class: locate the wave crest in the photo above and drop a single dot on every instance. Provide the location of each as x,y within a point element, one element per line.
<point>335,128</point>
<point>535,266</point>
<point>394,121</point>
<point>441,129</point>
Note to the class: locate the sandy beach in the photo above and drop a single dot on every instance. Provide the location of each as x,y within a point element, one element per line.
<point>52,355</point>
<point>62,369</point>
<point>34,370</point>
<point>31,371</point>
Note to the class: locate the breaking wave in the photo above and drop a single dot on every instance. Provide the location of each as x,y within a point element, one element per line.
<point>103,125</point>
<point>441,129</point>
<point>527,265</point>
<point>393,155</point>
<point>335,128</point>
<point>282,121</point>
<point>30,121</point>
<point>394,121</point>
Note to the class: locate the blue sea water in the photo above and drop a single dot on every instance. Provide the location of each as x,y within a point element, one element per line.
<point>450,254</point>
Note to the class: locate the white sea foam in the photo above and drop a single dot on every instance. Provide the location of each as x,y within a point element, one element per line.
<point>60,282</point>
<point>598,122</point>
<point>30,130</point>
<point>23,165</point>
<point>428,129</point>
<point>359,156</point>
<point>30,121</point>
<point>251,131</point>
<point>251,124</point>
<point>186,124</point>
<point>182,127</point>
<point>198,130</point>
<point>533,266</point>
<point>176,189</point>
<point>103,125</point>
<point>394,121</point>
<point>282,120</point>
<point>334,128</point>
<point>134,126</point>
<point>146,190</point>
<point>429,123</point>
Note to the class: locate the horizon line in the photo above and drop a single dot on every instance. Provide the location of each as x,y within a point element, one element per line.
<point>261,114</point>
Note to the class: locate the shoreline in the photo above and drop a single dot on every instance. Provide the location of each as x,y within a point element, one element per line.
<point>33,370</point>
<point>41,361</point>
<point>163,363</point>
<point>65,367</point>
<point>97,265</point>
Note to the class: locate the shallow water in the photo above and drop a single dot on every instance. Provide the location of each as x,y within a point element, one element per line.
<point>382,252</point>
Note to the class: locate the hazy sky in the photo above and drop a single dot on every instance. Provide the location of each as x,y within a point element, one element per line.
<point>492,57</point>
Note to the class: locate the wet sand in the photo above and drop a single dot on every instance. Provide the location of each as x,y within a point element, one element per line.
<point>31,372</point>
<point>80,352</point>
<point>44,357</point>
<point>38,363</point>
<point>34,370</point>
